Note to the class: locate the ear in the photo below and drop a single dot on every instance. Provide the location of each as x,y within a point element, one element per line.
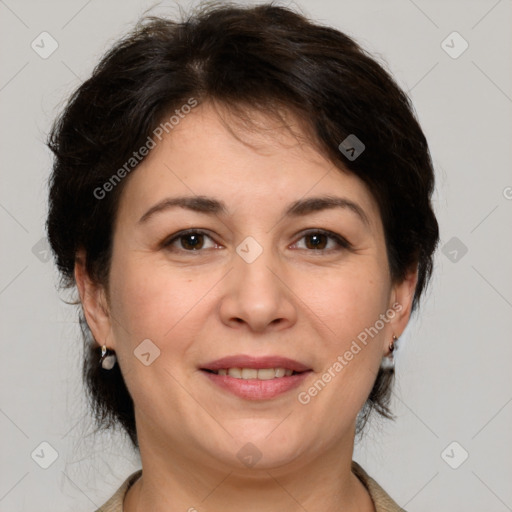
<point>402,295</point>
<point>94,303</point>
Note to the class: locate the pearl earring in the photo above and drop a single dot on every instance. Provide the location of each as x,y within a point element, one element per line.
<point>108,358</point>
<point>388,362</point>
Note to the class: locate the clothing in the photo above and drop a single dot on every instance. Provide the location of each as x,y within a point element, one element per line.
<point>382,501</point>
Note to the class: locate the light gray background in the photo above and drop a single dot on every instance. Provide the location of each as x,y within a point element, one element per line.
<point>454,378</point>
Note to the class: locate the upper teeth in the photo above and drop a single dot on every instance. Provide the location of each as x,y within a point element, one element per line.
<point>253,373</point>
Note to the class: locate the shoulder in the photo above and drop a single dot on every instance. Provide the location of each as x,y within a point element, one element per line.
<point>381,499</point>
<point>115,503</point>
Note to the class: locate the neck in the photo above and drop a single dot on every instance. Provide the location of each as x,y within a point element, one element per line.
<point>173,480</point>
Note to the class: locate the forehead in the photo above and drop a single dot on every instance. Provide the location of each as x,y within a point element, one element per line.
<point>214,153</point>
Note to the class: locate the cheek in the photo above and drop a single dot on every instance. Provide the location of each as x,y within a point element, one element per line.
<point>151,302</point>
<point>349,305</point>
<point>135,301</point>
<point>350,300</point>
<point>155,301</point>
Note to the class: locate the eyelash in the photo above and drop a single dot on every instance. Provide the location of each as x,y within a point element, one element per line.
<point>342,243</point>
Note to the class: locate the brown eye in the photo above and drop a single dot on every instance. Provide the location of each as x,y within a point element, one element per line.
<point>193,241</point>
<point>189,241</point>
<point>316,241</point>
<point>322,241</point>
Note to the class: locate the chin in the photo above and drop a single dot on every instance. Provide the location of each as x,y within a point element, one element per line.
<point>260,445</point>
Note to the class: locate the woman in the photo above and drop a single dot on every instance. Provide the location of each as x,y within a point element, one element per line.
<point>243,203</point>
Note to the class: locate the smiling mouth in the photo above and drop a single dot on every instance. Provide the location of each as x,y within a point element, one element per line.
<point>254,373</point>
<point>255,378</point>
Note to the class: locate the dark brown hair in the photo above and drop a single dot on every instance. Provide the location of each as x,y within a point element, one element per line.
<point>266,58</point>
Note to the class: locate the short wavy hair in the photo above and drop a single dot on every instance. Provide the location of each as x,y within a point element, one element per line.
<point>265,58</point>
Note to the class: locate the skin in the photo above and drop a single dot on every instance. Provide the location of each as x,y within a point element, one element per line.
<point>294,300</point>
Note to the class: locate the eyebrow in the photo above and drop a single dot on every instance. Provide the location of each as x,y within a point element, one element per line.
<point>299,208</point>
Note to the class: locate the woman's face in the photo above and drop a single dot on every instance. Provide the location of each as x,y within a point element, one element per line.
<point>270,273</point>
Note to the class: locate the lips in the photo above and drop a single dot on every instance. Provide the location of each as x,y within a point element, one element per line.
<point>257,363</point>
<point>251,378</point>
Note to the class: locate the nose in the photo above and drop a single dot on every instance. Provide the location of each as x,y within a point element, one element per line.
<point>257,297</point>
